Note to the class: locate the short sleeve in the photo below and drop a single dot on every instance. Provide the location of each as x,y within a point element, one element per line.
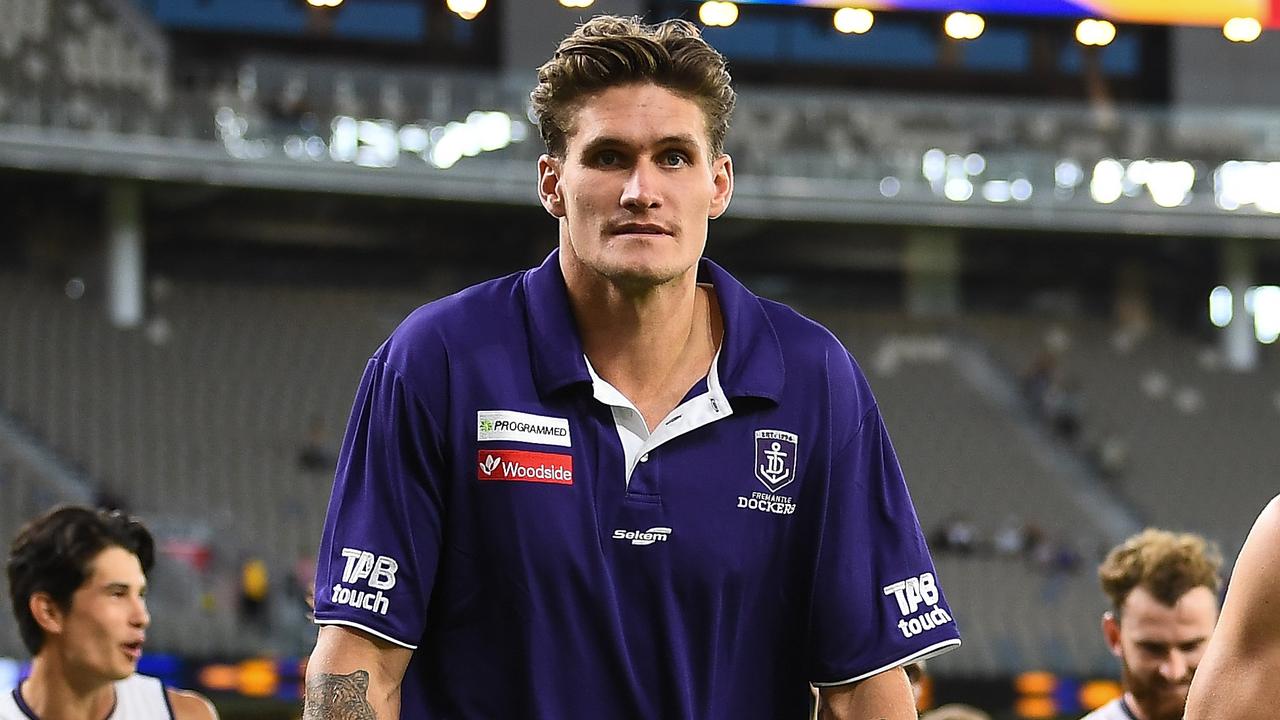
<point>877,601</point>
<point>380,547</point>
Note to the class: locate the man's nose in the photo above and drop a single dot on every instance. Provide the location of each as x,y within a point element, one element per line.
<point>641,190</point>
<point>141,616</point>
<point>1175,667</point>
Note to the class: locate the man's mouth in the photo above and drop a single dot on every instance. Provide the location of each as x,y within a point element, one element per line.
<point>640,229</point>
<point>133,649</point>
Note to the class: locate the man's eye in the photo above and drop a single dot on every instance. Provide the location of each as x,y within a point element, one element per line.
<point>608,157</point>
<point>675,159</point>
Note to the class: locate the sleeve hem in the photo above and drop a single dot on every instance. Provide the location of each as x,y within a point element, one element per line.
<point>365,628</point>
<point>931,651</point>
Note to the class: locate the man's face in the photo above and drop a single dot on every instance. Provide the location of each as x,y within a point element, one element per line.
<point>100,635</point>
<point>1160,646</point>
<point>636,187</point>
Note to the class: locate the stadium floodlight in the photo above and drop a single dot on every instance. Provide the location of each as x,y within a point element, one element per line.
<point>1220,309</point>
<point>1242,30</point>
<point>1097,33</point>
<point>853,21</point>
<point>324,3</point>
<point>718,14</point>
<point>964,26</point>
<point>576,3</point>
<point>466,9</point>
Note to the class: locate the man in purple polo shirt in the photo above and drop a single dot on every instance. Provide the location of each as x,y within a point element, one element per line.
<point>620,485</point>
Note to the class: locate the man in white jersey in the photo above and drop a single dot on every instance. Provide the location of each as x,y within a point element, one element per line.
<point>1163,589</point>
<point>1237,680</point>
<point>77,580</point>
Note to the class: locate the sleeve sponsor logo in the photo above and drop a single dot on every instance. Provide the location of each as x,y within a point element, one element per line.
<point>525,466</point>
<point>911,594</point>
<point>512,426</point>
<point>377,572</point>
<point>643,537</point>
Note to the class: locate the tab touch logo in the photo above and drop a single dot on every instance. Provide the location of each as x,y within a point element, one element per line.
<point>910,594</point>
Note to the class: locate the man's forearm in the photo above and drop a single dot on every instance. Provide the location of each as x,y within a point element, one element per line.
<point>886,696</point>
<point>338,697</point>
<point>353,676</point>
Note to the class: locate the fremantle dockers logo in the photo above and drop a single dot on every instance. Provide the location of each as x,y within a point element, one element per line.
<point>775,458</point>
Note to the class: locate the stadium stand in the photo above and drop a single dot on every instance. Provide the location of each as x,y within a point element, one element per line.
<point>1192,431</point>
<point>197,421</point>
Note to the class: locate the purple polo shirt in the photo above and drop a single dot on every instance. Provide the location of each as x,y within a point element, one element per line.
<point>486,515</point>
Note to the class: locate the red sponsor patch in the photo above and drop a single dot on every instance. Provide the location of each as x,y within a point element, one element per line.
<point>524,466</point>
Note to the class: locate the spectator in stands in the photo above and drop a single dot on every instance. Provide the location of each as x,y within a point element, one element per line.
<point>315,455</point>
<point>635,489</point>
<point>1010,539</point>
<point>1238,677</point>
<point>1111,456</point>
<point>1163,589</point>
<point>957,534</point>
<point>77,580</point>
<point>1037,379</point>
<point>1062,408</point>
<point>255,591</point>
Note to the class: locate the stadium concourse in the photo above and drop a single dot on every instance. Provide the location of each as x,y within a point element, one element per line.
<point>1057,266</point>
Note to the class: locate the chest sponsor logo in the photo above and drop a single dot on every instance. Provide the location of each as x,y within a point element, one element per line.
<point>525,466</point>
<point>376,572</point>
<point>918,599</point>
<point>643,537</point>
<point>775,464</point>
<point>512,426</point>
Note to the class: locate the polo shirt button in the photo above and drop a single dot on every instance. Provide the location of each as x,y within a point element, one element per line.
<point>644,457</point>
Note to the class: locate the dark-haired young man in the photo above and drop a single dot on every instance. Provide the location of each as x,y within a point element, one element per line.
<point>1163,589</point>
<point>620,485</point>
<point>77,581</point>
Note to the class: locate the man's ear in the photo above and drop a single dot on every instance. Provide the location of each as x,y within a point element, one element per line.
<point>722,179</point>
<point>549,190</point>
<point>48,615</point>
<point>1111,632</point>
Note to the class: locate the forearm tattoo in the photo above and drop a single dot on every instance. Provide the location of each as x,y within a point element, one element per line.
<point>338,697</point>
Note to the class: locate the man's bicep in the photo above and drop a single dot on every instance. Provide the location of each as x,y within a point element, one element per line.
<point>1237,675</point>
<point>354,676</point>
<point>886,695</point>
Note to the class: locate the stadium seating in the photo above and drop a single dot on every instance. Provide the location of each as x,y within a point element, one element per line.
<point>1197,449</point>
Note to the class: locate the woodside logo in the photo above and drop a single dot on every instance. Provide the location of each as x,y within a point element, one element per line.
<point>524,466</point>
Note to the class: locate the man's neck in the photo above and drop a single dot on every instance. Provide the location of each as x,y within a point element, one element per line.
<point>51,692</point>
<point>653,345</point>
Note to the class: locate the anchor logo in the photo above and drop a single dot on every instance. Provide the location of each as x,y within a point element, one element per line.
<point>775,458</point>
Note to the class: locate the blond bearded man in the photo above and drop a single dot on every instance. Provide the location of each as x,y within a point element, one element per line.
<point>1163,589</point>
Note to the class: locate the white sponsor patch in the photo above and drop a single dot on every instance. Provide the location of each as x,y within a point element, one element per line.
<point>515,426</point>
